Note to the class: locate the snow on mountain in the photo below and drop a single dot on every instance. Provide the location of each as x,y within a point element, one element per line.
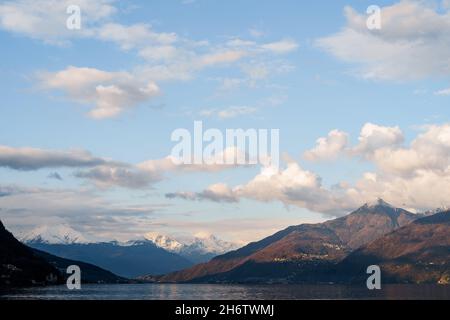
<point>164,242</point>
<point>378,203</point>
<point>200,243</point>
<point>209,243</point>
<point>57,234</point>
<point>437,210</point>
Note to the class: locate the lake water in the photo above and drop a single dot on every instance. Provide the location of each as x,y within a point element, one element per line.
<point>228,292</point>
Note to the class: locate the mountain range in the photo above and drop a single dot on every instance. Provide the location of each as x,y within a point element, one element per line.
<point>409,248</point>
<point>155,254</point>
<point>21,265</point>
<point>54,234</point>
<point>128,260</point>
<point>307,252</point>
<point>200,248</point>
<point>416,253</point>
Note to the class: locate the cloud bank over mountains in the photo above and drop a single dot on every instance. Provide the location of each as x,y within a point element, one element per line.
<point>416,175</point>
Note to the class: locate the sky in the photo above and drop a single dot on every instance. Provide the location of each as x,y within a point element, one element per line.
<point>87,113</point>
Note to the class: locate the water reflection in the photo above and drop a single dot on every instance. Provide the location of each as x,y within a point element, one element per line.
<point>228,292</point>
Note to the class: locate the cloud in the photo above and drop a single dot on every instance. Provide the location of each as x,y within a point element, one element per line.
<point>179,60</point>
<point>167,56</point>
<point>55,175</point>
<point>229,112</point>
<point>292,186</point>
<point>424,190</point>
<point>281,47</point>
<point>235,111</point>
<point>238,42</point>
<point>137,35</point>
<point>413,43</point>
<point>238,229</point>
<point>213,163</point>
<point>159,53</point>
<point>185,59</point>
<point>33,159</point>
<point>126,177</point>
<point>7,191</point>
<point>110,93</point>
<point>106,173</point>
<point>94,216</point>
<point>46,19</point>
<point>414,176</point>
<point>185,195</point>
<point>428,152</point>
<point>103,172</point>
<point>256,33</point>
<point>144,174</point>
<point>373,137</point>
<point>329,147</point>
<point>100,219</point>
<point>254,72</point>
<point>218,193</point>
<point>384,147</point>
<point>187,2</point>
<point>443,92</point>
<point>228,56</point>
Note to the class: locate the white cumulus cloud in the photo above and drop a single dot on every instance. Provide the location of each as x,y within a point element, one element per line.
<point>328,148</point>
<point>413,43</point>
<point>108,93</point>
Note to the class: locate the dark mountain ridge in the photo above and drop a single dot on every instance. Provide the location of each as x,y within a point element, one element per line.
<point>20,266</point>
<point>89,272</point>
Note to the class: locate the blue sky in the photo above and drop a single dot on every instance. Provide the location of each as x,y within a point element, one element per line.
<point>304,68</point>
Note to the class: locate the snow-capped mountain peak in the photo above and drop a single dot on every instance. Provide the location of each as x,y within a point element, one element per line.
<point>437,210</point>
<point>58,234</point>
<point>164,242</point>
<point>210,243</point>
<point>201,243</point>
<point>378,203</point>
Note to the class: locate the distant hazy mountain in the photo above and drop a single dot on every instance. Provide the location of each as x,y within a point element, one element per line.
<point>200,248</point>
<point>130,259</point>
<point>156,254</point>
<point>416,253</point>
<point>299,251</point>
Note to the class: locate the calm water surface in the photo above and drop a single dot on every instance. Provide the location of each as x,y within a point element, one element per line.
<point>228,292</point>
